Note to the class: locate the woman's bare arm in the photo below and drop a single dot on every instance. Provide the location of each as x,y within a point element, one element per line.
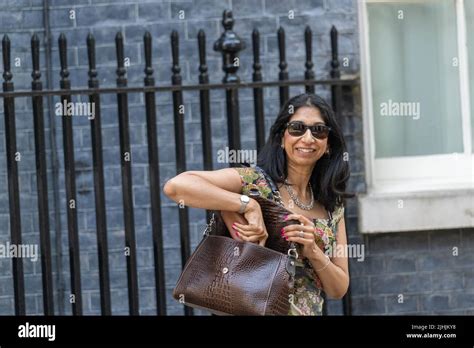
<point>334,276</point>
<point>219,190</point>
<point>212,190</point>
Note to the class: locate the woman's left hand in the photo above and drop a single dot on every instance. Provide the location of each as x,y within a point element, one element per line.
<point>302,234</point>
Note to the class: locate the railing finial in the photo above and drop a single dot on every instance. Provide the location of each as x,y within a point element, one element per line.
<point>335,73</point>
<point>7,74</point>
<point>62,42</point>
<point>230,44</point>
<point>203,76</point>
<point>175,68</point>
<point>227,20</point>
<point>36,74</point>
<point>91,57</point>
<point>147,45</point>
<point>309,73</point>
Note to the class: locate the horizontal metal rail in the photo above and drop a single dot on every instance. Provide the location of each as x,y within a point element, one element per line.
<point>197,87</point>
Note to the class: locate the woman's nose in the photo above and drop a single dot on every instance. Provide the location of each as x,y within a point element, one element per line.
<point>308,137</point>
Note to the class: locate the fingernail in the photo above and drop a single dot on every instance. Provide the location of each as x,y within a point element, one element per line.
<point>233,225</point>
<point>282,230</point>
<point>286,217</point>
<point>237,233</point>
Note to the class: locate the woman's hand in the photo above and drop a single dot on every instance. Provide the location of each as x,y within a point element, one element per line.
<point>229,217</point>
<point>302,234</point>
<point>255,230</point>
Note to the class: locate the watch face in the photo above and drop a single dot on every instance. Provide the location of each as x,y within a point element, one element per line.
<point>244,199</point>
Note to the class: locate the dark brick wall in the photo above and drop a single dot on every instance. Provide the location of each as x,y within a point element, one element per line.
<point>422,267</point>
<point>104,18</point>
<point>392,260</point>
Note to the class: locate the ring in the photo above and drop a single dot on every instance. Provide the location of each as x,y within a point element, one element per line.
<point>301,234</point>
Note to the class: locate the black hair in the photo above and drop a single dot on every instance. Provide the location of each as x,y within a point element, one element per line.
<point>331,172</point>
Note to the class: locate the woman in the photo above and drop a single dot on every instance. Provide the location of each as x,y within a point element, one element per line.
<point>305,158</point>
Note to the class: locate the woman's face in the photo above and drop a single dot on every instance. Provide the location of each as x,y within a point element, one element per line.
<point>295,146</point>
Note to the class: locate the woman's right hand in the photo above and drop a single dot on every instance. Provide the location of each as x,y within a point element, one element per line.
<point>255,230</point>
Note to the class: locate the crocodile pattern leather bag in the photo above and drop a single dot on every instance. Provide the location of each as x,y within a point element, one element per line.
<point>230,277</point>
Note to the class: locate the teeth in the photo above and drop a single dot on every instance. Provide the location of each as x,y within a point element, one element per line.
<point>306,150</point>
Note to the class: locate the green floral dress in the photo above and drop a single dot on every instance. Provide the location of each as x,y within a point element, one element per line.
<point>307,299</point>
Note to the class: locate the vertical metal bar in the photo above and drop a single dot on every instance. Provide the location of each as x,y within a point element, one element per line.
<point>335,73</point>
<point>347,299</point>
<point>230,44</point>
<point>336,91</point>
<point>309,73</point>
<point>179,134</point>
<point>42,181</point>
<point>60,285</point>
<point>283,75</point>
<point>204,103</point>
<point>205,108</point>
<point>98,165</point>
<point>126,168</point>
<point>70,178</point>
<point>258,91</point>
<point>233,120</point>
<point>154,174</point>
<point>13,182</point>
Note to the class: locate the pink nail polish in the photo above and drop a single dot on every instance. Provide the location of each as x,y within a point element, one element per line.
<point>237,233</point>
<point>286,217</point>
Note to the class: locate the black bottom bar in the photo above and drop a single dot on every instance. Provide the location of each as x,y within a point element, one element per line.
<point>416,330</point>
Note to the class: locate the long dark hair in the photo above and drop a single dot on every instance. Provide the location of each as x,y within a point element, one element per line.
<point>331,172</point>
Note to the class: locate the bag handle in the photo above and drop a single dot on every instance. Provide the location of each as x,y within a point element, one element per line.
<point>270,183</point>
<point>209,225</point>
<point>292,252</point>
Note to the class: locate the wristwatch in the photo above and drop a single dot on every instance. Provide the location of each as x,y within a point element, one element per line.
<point>244,200</point>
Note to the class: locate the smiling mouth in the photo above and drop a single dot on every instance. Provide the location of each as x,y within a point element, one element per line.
<point>305,150</point>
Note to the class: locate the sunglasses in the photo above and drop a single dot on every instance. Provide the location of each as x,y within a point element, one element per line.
<point>298,129</point>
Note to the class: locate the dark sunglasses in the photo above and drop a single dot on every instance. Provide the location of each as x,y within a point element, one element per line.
<point>297,129</point>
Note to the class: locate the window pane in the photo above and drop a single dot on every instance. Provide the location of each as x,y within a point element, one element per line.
<point>415,78</point>
<point>469,9</point>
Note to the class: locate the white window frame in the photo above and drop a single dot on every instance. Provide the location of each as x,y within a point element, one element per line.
<point>416,192</point>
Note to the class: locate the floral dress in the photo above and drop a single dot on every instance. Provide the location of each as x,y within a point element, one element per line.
<point>307,297</point>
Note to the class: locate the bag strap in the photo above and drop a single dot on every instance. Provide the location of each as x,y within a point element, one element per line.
<point>269,180</point>
<point>292,252</point>
<point>271,184</point>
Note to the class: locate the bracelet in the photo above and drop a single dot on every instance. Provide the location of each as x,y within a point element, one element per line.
<point>327,264</point>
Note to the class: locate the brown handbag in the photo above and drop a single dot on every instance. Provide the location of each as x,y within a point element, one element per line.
<point>230,277</point>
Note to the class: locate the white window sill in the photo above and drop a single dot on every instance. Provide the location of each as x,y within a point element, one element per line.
<point>390,211</point>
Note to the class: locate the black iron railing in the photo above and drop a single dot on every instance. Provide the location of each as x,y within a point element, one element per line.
<point>229,44</point>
